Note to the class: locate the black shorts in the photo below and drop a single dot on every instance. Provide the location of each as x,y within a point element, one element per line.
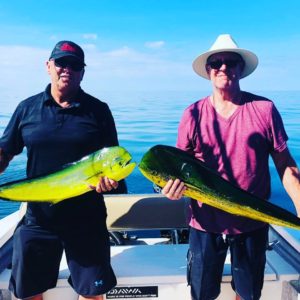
<point>206,258</point>
<point>37,252</point>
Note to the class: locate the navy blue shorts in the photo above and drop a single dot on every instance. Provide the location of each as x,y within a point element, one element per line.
<point>38,251</point>
<point>206,258</point>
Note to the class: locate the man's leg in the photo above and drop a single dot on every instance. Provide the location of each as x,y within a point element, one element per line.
<point>35,262</point>
<point>87,251</point>
<point>248,259</point>
<point>100,297</point>
<point>206,259</point>
<point>37,297</point>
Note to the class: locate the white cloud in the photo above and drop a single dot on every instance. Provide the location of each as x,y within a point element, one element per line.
<point>128,64</point>
<point>90,36</point>
<point>89,46</point>
<point>121,52</point>
<point>155,45</point>
<point>53,38</point>
<point>23,72</point>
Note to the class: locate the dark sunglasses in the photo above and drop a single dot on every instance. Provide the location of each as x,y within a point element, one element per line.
<point>217,64</point>
<point>64,63</point>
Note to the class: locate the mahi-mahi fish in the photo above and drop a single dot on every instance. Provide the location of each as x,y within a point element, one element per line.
<point>161,163</point>
<point>72,179</point>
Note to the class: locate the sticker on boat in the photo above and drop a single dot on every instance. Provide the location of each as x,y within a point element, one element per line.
<point>133,292</point>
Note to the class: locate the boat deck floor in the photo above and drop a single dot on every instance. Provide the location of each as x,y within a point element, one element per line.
<point>162,267</point>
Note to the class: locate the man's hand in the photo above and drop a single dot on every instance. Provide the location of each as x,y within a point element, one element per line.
<point>174,189</point>
<point>104,185</point>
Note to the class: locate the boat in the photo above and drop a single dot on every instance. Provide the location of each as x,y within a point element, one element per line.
<point>148,252</point>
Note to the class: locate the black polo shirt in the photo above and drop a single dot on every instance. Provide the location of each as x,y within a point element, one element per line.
<point>55,136</point>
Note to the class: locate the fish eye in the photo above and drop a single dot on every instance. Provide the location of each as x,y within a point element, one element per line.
<point>186,169</point>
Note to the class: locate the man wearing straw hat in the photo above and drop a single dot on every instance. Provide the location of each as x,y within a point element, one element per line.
<point>234,133</point>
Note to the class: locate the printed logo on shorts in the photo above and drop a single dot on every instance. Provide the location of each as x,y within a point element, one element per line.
<point>98,283</point>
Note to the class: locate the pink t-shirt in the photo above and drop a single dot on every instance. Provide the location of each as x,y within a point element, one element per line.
<point>237,148</point>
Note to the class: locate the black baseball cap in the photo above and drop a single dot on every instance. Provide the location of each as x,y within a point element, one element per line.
<point>67,48</point>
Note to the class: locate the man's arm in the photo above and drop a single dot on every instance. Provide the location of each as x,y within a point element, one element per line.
<point>4,160</point>
<point>289,175</point>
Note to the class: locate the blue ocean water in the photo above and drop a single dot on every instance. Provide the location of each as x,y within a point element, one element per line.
<point>144,119</point>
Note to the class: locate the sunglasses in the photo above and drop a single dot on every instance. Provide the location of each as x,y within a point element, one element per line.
<point>218,63</point>
<point>64,63</point>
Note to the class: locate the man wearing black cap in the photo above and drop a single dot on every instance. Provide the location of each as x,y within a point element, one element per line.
<point>59,126</point>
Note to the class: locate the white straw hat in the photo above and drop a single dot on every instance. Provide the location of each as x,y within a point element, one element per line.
<point>225,43</point>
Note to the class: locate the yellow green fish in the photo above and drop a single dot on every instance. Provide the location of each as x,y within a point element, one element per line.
<point>73,179</point>
<point>162,163</point>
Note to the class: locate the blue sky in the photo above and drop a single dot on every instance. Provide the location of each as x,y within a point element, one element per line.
<point>147,45</point>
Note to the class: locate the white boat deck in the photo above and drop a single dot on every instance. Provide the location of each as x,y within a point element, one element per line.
<point>164,267</point>
<point>157,270</point>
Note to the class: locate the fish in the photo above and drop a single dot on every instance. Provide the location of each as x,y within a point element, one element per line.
<point>161,163</point>
<point>72,179</point>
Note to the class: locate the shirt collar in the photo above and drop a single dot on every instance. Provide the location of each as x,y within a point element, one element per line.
<point>48,99</point>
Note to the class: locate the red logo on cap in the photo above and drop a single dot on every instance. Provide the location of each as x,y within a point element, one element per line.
<point>67,47</point>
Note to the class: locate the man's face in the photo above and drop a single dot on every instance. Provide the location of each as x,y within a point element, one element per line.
<point>66,73</point>
<point>224,69</point>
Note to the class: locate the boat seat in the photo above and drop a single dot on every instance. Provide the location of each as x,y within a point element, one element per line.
<point>143,212</point>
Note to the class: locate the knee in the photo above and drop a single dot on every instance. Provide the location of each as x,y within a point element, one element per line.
<point>99,297</point>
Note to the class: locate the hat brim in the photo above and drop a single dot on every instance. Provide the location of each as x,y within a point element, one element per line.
<point>67,55</point>
<point>251,61</point>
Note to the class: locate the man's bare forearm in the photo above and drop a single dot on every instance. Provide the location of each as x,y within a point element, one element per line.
<point>4,160</point>
<point>290,175</point>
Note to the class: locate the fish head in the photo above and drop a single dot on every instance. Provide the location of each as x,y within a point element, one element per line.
<point>113,162</point>
<point>160,163</point>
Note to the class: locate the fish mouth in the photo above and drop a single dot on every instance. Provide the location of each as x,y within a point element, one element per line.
<point>121,169</point>
<point>130,165</point>
<point>123,162</point>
